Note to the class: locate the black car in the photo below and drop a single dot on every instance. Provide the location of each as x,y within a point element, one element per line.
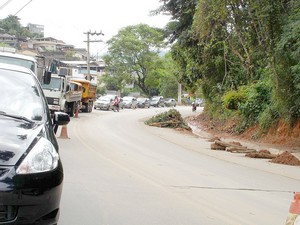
<point>31,172</point>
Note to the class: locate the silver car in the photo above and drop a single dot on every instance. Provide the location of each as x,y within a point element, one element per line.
<point>104,103</point>
<point>129,102</point>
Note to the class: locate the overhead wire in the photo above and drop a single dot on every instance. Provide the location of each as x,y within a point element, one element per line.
<point>5,4</point>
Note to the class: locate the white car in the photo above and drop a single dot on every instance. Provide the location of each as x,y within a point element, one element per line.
<point>129,102</point>
<point>104,103</point>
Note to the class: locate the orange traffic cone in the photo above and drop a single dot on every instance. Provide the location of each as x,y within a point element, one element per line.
<point>294,212</point>
<point>64,132</point>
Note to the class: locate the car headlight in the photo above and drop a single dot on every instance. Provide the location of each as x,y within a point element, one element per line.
<point>43,157</point>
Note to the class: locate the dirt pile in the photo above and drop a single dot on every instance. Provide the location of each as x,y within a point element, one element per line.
<point>286,158</point>
<point>286,142</point>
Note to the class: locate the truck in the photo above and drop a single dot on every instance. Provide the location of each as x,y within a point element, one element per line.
<point>88,93</point>
<point>88,82</point>
<point>62,94</point>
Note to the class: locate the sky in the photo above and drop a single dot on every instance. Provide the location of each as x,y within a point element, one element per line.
<point>69,20</point>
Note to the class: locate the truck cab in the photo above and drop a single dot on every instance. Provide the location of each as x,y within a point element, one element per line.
<point>62,94</point>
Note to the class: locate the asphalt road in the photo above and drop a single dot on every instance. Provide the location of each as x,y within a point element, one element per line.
<point>119,171</point>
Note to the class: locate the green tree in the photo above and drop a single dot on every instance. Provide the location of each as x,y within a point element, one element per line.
<point>12,26</point>
<point>221,46</point>
<point>168,79</point>
<point>133,54</point>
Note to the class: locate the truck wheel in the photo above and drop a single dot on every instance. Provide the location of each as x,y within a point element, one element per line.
<point>86,107</point>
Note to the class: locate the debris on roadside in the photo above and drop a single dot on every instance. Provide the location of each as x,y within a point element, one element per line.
<point>261,154</point>
<point>234,147</point>
<point>171,119</point>
<point>286,158</point>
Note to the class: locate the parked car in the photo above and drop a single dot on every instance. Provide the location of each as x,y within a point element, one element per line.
<point>31,172</point>
<point>170,102</point>
<point>199,102</point>
<point>129,102</point>
<point>104,103</point>
<point>143,102</point>
<point>121,104</point>
<point>157,101</point>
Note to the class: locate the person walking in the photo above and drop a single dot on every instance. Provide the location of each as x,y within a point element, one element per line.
<point>194,106</point>
<point>116,104</point>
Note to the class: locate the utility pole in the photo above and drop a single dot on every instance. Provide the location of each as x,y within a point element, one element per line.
<point>88,41</point>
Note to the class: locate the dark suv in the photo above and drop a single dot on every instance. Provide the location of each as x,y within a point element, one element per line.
<point>31,172</point>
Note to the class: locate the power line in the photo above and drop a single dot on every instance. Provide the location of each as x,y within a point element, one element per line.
<point>5,4</point>
<point>23,7</point>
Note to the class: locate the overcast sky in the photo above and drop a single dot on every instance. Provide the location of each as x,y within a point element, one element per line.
<point>68,20</point>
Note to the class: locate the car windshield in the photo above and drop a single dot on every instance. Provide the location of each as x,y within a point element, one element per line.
<point>127,99</point>
<point>53,85</point>
<point>141,99</point>
<point>104,99</point>
<point>20,96</point>
<point>155,99</point>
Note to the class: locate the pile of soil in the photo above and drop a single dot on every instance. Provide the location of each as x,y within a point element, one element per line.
<point>278,138</point>
<point>286,158</point>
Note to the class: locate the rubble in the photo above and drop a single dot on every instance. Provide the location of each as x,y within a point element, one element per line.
<point>171,119</point>
<point>286,158</point>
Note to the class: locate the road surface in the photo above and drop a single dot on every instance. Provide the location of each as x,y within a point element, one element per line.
<point>118,171</point>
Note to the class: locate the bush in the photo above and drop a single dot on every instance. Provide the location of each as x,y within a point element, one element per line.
<point>232,99</point>
<point>258,98</point>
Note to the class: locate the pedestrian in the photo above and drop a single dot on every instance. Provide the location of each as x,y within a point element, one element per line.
<point>194,106</point>
<point>116,104</point>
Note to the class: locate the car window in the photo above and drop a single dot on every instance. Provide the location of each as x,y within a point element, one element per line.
<point>19,62</point>
<point>20,95</point>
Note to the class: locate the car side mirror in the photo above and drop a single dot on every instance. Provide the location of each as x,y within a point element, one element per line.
<point>47,77</point>
<point>60,119</point>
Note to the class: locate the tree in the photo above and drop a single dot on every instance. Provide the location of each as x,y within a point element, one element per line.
<point>168,79</point>
<point>222,46</point>
<point>133,54</point>
<point>12,26</point>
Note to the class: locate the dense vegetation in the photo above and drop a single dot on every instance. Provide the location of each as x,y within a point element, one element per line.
<point>242,54</point>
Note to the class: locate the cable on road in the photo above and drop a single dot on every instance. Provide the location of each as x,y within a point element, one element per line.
<point>232,189</point>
